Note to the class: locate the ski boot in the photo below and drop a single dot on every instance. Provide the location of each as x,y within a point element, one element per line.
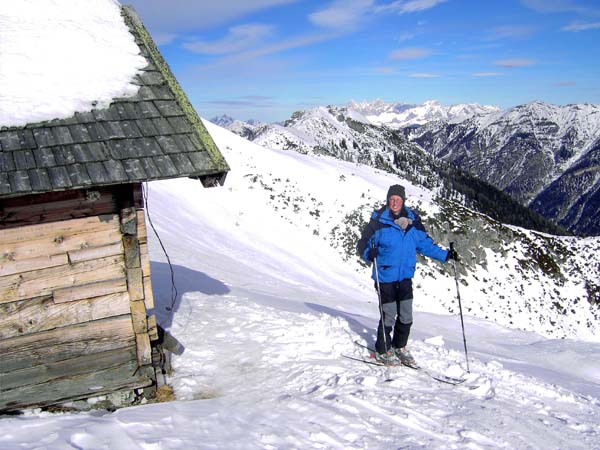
<point>405,358</point>
<point>388,359</point>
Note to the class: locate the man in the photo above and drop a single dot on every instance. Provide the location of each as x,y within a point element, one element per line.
<point>392,238</point>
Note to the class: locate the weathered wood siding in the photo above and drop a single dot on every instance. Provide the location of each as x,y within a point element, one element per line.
<point>61,205</point>
<point>74,293</point>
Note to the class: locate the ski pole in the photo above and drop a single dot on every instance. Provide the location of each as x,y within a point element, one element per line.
<point>380,307</point>
<point>462,323</point>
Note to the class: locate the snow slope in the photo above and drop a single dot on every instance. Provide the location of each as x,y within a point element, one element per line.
<point>266,309</point>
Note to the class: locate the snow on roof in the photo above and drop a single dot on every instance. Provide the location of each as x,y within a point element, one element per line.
<point>60,56</point>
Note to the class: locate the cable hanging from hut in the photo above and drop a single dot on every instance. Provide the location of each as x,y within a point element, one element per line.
<point>173,287</point>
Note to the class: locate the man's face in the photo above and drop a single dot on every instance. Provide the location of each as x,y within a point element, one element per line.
<point>395,203</point>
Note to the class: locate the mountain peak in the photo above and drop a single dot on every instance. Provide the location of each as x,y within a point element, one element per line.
<point>223,120</point>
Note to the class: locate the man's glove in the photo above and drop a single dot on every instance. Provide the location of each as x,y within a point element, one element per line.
<point>373,252</point>
<point>452,254</point>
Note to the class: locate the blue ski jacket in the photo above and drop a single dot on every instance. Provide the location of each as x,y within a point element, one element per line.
<point>397,248</point>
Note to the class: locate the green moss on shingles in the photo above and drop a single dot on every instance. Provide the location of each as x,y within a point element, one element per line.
<point>134,23</point>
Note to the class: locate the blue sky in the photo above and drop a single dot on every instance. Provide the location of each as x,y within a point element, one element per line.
<point>265,59</point>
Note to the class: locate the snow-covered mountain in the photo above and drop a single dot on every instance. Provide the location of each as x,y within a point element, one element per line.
<point>542,155</point>
<point>335,131</point>
<point>401,115</point>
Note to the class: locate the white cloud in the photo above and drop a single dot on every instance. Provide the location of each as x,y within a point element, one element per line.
<point>514,62</point>
<point>289,44</point>
<point>512,32</point>
<point>350,14</point>
<point>410,53</point>
<point>384,70</point>
<point>419,5</point>
<point>424,75</point>
<point>580,26</point>
<point>342,14</point>
<point>410,6</point>
<point>249,54</point>
<point>161,38</point>
<point>556,6</point>
<point>254,101</point>
<point>406,36</point>
<point>488,74</point>
<point>239,38</point>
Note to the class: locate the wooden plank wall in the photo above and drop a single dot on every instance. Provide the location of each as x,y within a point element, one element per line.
<point>74,296</point>
<point>61,205</point>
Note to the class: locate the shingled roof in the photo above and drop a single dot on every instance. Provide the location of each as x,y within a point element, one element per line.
<point>155,134</point>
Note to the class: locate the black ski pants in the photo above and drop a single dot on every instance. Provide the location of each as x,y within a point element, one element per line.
<point>396,306</point>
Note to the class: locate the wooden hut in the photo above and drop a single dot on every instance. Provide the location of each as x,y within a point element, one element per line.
<point>75,290</point>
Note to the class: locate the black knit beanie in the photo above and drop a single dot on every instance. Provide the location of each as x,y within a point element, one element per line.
<point>396,189</point>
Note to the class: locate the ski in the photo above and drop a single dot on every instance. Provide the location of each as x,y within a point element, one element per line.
<point>373,362</point>
<point>444,378</point>
<point>436,376</point>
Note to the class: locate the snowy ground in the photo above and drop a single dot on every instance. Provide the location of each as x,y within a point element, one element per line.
<point>265,310</point>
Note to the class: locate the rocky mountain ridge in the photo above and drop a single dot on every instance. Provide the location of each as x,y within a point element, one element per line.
<point>544,156</point>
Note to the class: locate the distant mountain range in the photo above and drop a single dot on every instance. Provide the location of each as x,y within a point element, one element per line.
<point>244,129</point>
<point>402,115</point>
<point>543,156</point>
